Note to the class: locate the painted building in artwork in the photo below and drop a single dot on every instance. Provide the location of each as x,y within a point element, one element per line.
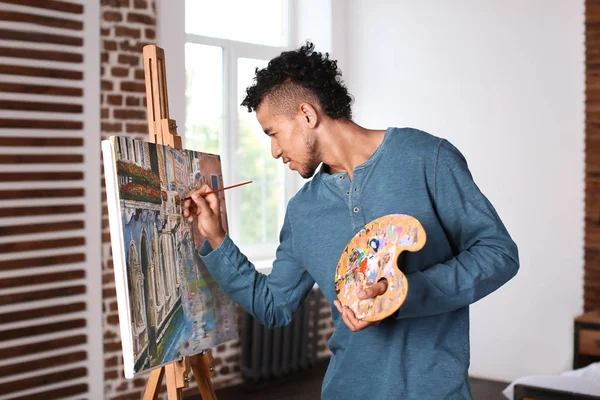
<point>176,306</point>
<point>201,296</point>
<point>149,228</point>
<point>211,174</point>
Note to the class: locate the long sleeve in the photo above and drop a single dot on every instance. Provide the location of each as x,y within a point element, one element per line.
<point>486,256</point>
<point>272,299</point>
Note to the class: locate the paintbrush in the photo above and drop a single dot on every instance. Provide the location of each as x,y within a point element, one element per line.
<point>219,190</point>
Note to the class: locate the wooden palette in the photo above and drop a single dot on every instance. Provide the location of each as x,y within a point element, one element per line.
<point>371,255</point>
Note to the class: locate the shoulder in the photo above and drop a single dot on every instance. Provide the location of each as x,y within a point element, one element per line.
<point>416,141</point>
<point>305,194</point>
<point>411,146</point>
<point>307,200</point>
<point>411,139</point>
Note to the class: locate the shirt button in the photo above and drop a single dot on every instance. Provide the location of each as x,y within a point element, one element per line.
<point>356,209</point>
<point>348,193</point>
<point>341,177</point>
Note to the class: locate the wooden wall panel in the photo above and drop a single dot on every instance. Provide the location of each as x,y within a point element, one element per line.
<point>591,287</point>
<point>46,313</point>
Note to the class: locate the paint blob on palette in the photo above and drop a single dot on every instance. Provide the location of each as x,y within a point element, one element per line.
<point>372,255</point>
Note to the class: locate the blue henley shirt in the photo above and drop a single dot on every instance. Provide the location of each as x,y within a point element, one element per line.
<point>422,352</point>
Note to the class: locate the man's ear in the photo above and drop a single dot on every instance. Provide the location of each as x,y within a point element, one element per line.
<point>309,115</point>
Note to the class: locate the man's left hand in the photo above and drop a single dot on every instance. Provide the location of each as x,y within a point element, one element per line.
<point>353,323</point>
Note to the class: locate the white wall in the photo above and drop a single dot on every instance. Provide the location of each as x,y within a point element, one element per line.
<point>504,81</point>
<point>93,195</point>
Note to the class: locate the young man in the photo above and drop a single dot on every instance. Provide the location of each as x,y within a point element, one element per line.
<point>422,351</point>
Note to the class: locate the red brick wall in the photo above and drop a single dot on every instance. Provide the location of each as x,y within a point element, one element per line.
<point>127,26</point>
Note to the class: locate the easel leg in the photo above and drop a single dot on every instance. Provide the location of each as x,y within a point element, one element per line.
<point>200,364</point>
<point>173,389</point>
<point>176,374</point>
<point>153,385</point>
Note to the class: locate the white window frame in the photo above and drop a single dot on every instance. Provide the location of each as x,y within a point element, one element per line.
<point>172,38</point>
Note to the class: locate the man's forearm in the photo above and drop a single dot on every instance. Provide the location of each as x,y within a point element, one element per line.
<point>459,282</point>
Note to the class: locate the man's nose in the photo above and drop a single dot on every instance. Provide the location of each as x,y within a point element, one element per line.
<point>275,150</point>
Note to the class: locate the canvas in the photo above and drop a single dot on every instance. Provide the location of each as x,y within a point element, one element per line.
<point>169,305</point>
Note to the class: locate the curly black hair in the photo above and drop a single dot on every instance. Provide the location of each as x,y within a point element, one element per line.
<point>301,75</point>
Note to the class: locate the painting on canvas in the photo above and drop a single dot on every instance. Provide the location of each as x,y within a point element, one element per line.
<point>173,306</point>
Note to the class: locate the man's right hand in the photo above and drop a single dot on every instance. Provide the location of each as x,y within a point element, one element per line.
<point>206,209</point>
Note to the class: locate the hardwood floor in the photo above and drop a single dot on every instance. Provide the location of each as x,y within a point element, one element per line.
<point>483,389</point>
<point>307,386</point>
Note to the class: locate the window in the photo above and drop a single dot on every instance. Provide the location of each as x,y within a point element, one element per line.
<point>221,51</point>
<point>257,21</point>
<point>203,97</point>
<point>214,182</point>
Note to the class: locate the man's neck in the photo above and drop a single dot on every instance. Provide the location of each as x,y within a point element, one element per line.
<point>347,145</point>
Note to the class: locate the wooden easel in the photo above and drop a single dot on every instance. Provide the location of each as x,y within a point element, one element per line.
<point>163,130</point>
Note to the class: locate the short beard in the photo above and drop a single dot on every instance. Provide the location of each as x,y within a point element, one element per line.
<point>313,161</point>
